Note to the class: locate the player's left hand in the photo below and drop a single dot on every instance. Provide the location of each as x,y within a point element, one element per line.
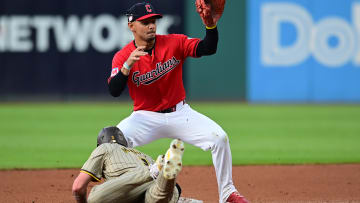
<point>204,11</point>
<point>210,11</point>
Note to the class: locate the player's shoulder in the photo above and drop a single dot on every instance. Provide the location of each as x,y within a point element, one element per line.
<point>105,148</point>
<point>112,146</point>
<point>174,40</point>
<point>107,145</point>
<point>101,147</point>
<point>98,151</point>
<point>171,37</point>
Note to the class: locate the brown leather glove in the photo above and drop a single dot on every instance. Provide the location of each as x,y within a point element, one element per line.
<point>210,11</point>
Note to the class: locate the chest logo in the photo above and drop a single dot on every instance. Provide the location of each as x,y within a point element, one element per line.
<point>155,74</point>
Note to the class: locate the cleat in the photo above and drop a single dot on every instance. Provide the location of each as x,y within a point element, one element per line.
<point>235,197</point>
<point>188,200</point>
<point>173,159</point>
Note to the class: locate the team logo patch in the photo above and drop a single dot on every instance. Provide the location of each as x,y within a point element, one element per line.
<point>114,71</point>
<point>148,8</point>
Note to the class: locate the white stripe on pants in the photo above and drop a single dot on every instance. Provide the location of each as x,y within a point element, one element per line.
<point>143,127</point>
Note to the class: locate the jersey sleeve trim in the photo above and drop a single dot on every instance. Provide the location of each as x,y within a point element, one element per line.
<point>90,174</point>
<point>197,43</point>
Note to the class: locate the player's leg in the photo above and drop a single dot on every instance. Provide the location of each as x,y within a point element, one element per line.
<point>142,127</point>
<point>129,187</point>
<point>164,190</point>
<point>199,130</point>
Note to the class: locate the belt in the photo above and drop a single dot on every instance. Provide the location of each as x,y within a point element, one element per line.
<point>172,109</point>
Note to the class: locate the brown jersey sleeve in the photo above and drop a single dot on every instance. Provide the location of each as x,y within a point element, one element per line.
<point>94,165</point>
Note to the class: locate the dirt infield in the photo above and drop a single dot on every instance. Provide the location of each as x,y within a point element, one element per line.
<point>273,184</point>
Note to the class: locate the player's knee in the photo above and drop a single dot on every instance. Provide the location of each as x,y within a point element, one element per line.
<point>221,138</point>
<point>224,138</point>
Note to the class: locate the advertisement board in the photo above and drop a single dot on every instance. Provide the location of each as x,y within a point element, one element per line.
<point>65,48</point>
<point>303,51</point>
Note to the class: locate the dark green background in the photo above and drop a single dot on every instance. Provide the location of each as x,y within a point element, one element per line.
<point>221,76</point>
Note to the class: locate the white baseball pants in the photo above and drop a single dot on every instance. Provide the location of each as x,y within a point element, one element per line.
<point>143,127</point>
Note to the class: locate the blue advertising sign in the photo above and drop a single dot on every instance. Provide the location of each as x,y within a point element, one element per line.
<point>304,51</point>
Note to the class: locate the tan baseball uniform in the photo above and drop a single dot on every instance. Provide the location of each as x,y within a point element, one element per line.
<point>127,177</point>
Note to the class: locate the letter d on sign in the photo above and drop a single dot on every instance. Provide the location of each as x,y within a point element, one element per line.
<point>272,52</point>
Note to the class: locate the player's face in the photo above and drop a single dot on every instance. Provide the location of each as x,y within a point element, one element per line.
<point>145,29</point>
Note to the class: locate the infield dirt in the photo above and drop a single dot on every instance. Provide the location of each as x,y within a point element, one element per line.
<point>270,184</point>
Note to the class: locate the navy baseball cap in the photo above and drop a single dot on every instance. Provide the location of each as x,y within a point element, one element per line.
<point>141,11</point>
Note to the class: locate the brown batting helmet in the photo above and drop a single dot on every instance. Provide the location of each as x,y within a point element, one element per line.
<point>111,134</point>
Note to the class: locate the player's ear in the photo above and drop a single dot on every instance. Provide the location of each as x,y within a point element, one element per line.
<point>131,26</point>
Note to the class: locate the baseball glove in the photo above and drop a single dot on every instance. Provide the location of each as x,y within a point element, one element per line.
<point>210,11</point>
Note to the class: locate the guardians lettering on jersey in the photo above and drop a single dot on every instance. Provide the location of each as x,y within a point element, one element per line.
<point>155,81</point>
<point>155,74</point>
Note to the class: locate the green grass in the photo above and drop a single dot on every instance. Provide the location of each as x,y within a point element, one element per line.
<point>62,135</point>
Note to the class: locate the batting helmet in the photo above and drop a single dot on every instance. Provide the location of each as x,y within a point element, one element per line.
<point>111,134</point>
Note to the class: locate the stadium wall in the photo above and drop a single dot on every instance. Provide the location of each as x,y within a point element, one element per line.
<point>303,51</point>
<point>289,51</point>
<point>62,50</point>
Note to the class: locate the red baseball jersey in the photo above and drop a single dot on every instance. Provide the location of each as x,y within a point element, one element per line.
<point>155,81</point>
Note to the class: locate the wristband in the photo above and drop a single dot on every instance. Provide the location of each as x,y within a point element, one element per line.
<point>125,65</point>
<point>210,28</point>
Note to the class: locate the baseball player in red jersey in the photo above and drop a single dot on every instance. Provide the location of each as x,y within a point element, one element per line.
<point>151,67</point>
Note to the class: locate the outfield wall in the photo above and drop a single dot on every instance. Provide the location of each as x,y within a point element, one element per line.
<point>269,50</point>
<point>63,49</point>
<point>303,51</point>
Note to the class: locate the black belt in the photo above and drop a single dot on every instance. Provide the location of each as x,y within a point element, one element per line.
<point>171,109</point>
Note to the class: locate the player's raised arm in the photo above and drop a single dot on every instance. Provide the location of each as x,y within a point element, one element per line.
<point>117,82</point>
<point>210,12</point>
<point>208,45</point>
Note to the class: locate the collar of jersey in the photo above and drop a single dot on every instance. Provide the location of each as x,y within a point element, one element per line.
<point>148,51</point>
